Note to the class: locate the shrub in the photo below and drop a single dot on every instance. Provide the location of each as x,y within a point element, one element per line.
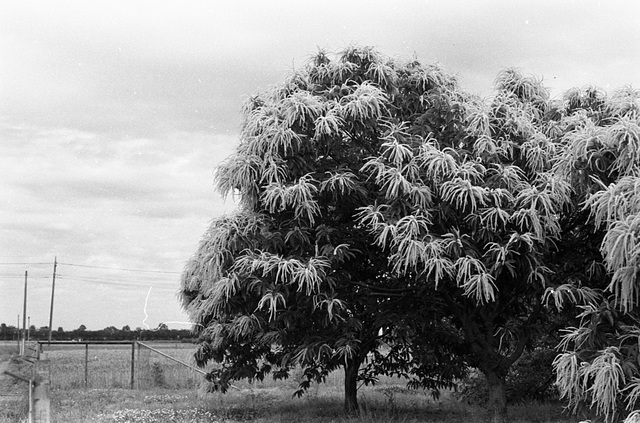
<point>158,375</point>
<point>531,378</point>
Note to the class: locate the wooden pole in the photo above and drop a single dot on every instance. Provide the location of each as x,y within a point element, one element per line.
<point>42,391</point>
<point>31,401</point>
<point>138,384</point>
<point>24,315</point>
<point>17,376</point>
<point>86,364</point>
<point>133,358</point>
<point>53,289</point>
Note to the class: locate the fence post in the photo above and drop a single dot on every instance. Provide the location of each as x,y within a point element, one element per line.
<point>133,362</point>
<point>86,365</point>
<point>30,417</point>
<point>42,391</point>
<point>138,384</point>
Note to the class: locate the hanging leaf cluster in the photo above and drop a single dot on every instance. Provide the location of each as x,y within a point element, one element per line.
<point>599,361</point>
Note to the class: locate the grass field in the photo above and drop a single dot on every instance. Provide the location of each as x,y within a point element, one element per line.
<point>168,392</point>
<point>273,405</point>
<point>7,348</point>
<point>109,366</point>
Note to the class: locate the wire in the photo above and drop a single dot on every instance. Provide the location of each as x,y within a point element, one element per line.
<point>7,276</point>
<point>99,279</point>
<point>118,268</point>
<point>116,283</point>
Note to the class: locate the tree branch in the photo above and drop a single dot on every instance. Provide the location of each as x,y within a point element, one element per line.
<point>378,290</point>
<point>522,342</point>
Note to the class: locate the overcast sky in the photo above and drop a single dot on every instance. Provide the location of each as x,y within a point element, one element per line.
<point>113,115</point>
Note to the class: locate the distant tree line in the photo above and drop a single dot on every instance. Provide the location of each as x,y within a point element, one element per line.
<point>110,333</point>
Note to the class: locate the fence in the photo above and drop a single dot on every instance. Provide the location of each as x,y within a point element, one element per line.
<point>161,369</point>
<point>121,364</point>
<point>47,366</point>
<point>33,370</point>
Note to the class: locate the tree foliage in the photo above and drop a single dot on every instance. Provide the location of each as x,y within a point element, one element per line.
<point>598,364</point>
<point>391,223</point>
<point>483,234</point>
<point>295,278</point>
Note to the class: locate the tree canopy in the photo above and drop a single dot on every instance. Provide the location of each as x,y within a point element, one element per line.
<point>390,222</point>
<point>294,267</point>
<point>598,366</point>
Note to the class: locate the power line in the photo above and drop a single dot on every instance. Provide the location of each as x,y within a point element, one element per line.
<point>118,268</point>
<point>14,276</point>
<point>106,282</point>
<point>82,278</point>
<point>99,279</point>
<point>88,266</point>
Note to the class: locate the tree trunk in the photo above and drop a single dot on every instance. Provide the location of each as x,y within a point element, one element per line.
<point>497,398</point>
<point>351,368</point>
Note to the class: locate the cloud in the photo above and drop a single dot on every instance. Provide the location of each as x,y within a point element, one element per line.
<point>131,199</point>
<point>133,68</point>
<point>148,68</point>
<point>114,114</point>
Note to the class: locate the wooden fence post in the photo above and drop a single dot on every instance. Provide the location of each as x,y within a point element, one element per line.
<point>42,390</point>
<point>133,362</point>
<point>86,365</point>
<point>138,382</point>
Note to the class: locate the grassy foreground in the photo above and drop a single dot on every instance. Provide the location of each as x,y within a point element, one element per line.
<point>167,392</point>
<point>274,405</point>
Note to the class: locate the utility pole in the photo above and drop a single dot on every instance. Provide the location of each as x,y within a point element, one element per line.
<point>24,315</point>
<point>53,289</point>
